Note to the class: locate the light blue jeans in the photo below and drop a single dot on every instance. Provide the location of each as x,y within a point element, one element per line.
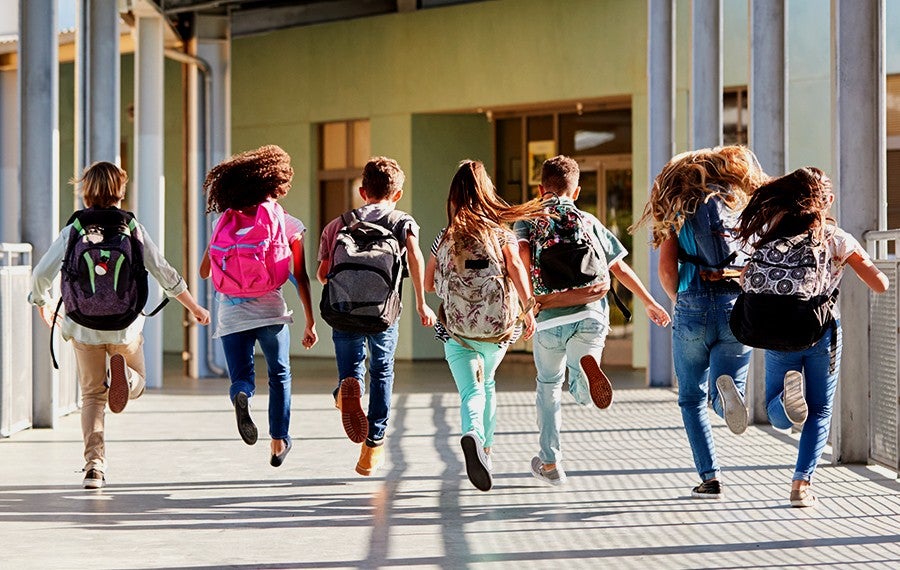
<point>478,408</point>
<point>275,342</point>
<point>350,352</point>
<point>704,349</point>
<point>820,379</point>
<point>556,350</point>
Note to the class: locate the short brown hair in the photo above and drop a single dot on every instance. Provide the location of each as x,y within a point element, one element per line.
<point>382,177</point>
<point>102,184</point>
<point>560,175</point>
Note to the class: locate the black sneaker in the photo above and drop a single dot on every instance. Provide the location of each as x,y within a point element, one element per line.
<point>245,424</point>
<point>710,489</point>
<point>476,462</point>
<point>93,479</point>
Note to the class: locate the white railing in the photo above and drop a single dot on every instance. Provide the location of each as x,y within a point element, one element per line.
<point>884,333</point>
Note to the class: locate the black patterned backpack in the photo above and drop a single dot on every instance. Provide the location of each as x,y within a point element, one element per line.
<point>785,303</point>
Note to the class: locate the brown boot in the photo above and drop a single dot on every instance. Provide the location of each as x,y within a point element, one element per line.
<point>370,459</point>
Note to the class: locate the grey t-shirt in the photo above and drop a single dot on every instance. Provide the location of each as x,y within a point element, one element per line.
<point>239,314</point>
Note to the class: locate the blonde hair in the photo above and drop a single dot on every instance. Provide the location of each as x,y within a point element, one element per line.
<point>730,172</point>
<point>474,209</point>
<point>102,185</point>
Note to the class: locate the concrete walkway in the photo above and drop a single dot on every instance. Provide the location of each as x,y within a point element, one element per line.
<point>184,491</point>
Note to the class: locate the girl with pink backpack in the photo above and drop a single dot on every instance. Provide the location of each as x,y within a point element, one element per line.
<point>255,247</point>
<point>476,270</point>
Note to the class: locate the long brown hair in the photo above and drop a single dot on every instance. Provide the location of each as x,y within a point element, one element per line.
<point>787,206</point>
<point>248,178</point>
<point>473,207</point>
<point>730,172</point>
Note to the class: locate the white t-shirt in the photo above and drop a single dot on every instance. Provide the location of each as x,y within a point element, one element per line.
<point>841,245</point>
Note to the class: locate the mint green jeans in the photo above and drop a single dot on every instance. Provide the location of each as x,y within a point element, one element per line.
<point>478,408</point>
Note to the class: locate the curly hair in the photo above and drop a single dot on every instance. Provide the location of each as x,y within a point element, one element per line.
<point>473,207</point>
<point>787,206</point>
<point>730,172</point>
<point>248,178</point>
<point>560,175</point>
<point>382,177</point>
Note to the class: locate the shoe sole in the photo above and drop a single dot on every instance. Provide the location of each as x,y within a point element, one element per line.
<point>93,484</point>
<point>794,402</point>
<point>733,408</point>
<point>118,384</point>
<point>600,386</point>
<point>246,427</point>
<point>706,496</point>
<point>356,425</point>
<point>475,469</point>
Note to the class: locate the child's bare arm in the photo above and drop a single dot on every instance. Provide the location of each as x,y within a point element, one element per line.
<point>428,280</point>
<point>868,273</point>
<point>628,278</point>
<point>200,313</point>
<point>310,337</point>
<point>322,272</point>
<point>522,283</point>
<point>204,264</point>
<point>417,274</point>
<point>668,267</point>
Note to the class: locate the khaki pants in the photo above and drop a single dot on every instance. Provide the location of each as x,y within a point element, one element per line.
<point>91,360</point>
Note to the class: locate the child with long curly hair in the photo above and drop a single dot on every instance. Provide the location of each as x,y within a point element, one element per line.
<point>695,191</point>
<point>476,215</point>
<point>800,385</point>
<point>244,184</point>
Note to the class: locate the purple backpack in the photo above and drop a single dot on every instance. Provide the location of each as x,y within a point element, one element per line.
<point>103,278</point>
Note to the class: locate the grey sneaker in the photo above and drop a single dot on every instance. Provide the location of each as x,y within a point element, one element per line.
<point>803,497</point>
<point>793,399</point>
<point>733,408</point>
<point>555,476</point>
<point>711,489</point>
<point>93,479</point>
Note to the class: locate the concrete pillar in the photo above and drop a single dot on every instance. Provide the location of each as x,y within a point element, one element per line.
<point>147,173</point>
<point>39,144</point>
<point>212,46</point>
<point>859,176</point>
<point>768,133</point>
<point>10,200</point>
<point>661,137</point>
<point>98,97</point>
<point>706,73</point>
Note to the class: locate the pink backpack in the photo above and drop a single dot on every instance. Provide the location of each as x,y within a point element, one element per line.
<point>249,254</point>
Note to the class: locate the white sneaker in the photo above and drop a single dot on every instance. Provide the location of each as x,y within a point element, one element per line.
<point>555,476</point>
<point>733,408</point>
<point>477,467</point>
<point>793,399</point>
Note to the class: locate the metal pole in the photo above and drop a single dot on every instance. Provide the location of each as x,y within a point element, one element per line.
<point>706,73</point>
<point>39,144</point>
<point>768,134</point>
<point>661,141</point>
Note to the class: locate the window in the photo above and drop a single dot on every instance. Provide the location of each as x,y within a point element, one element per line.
<point>344,149</point>
<point>893,151</point>
<point>735,116</point>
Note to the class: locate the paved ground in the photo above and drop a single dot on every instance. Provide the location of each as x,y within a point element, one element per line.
<point>185,492</point>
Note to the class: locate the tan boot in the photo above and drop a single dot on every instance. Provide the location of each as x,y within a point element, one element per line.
<point>370,459</point>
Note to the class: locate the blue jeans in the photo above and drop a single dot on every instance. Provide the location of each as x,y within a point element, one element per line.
<point>556,350</point>
<point>820,379</point>
<point>275,342</point>
<point>478,408</point>
<point>350,351</point>
<point>705,348</point>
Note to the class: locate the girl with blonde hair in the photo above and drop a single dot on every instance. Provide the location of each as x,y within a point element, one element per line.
<point>692,214</point>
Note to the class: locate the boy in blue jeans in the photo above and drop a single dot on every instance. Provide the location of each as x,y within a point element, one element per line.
<point>572,324</point>
<point>382,187</point>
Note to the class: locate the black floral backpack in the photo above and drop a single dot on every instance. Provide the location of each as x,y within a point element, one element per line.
<point>785,304</point>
